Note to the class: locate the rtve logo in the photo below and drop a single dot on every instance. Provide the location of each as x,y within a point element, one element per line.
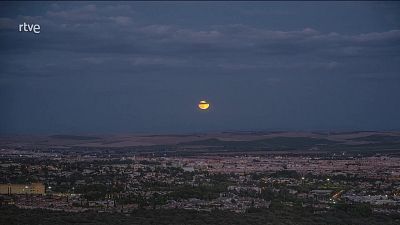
<point>35,28</point>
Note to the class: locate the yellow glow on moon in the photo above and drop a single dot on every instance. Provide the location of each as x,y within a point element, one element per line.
<point>203,105</point>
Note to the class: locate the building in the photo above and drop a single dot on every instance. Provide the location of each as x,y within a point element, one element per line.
<point>321,195</point>
<point>6,200</point>
<point>18,189</point>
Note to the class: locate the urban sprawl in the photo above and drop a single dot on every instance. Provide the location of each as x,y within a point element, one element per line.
<point>112,182</point>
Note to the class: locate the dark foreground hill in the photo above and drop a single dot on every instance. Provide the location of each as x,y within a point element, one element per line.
<point>274,216</point>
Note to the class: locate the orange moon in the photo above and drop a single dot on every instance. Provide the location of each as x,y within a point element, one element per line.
<point>204,105</point>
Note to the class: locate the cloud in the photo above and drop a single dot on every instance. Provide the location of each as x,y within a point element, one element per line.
<point>104,34</point>
<point>121,20</point>
<point>7,23</point>
<point>392,35</point>
<point>151,61</point>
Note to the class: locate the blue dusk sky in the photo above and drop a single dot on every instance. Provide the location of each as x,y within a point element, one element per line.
<point>142,67</point>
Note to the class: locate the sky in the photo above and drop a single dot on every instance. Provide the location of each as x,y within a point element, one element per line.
<point>142,67</point>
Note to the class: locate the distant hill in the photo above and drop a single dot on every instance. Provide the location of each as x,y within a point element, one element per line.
<point>363,141</point>
<point>74,137</point>
<point>379,138</point>
<point>269,143</point>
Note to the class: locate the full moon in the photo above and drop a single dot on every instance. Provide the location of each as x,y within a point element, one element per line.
<point>203,105</point>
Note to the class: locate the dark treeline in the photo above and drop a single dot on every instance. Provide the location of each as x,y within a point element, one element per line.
<point>275,215</point>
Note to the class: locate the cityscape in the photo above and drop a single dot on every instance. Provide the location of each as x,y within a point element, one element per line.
<point>199,112</point>
<point>326,173</point>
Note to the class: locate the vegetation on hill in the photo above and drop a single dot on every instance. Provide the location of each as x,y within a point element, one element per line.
<point>276,215</point>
